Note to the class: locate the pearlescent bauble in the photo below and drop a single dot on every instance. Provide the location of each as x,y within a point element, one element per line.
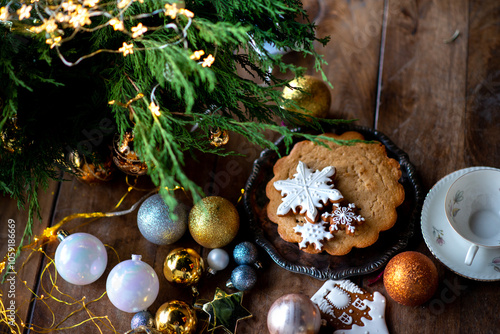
<point>80,258</point>
<point>312,94</point>
<point>132,285</point>
<point>213,222</point>
<point>245,253</point>
<point>176,317</point>
<point>183,266</point>
<point>156,224</point>
<point>411,278</point>
<point>243,277</point>
<point>143,318</point>
<point>217,259</point>
<point>293,314</point>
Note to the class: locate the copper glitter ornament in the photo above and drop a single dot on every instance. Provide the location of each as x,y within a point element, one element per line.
<point>213,222</point>
<point>310,93</point>
<point>176,317</point>
<point>125,157</point>
<point>411,278</point>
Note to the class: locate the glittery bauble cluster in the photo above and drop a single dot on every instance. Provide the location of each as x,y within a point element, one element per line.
<point>245,253</point>
<point>176,317</point>
<point>156,224</point>
<point>293,314</point>
<point>411,278</point>
<point>213,222</point>
<point>310,93</point>
<point>143,318</point>
<point>183,266</point>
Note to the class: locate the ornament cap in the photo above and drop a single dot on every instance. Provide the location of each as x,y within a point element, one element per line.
<point>229,284</point>
<point>136,257</point>
<point>62,234</point>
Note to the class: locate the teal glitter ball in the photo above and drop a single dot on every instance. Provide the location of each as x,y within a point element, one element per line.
<point>245,253</point>
<point>155,221</point>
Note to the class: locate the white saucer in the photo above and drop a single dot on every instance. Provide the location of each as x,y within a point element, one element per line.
<point>446,245</point>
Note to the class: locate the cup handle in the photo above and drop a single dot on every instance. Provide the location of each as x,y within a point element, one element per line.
<point>470,254</point>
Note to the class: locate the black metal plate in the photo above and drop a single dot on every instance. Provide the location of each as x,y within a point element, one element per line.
<point>324,266</point>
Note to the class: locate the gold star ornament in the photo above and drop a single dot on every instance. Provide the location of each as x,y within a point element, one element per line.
<point>225,311</point>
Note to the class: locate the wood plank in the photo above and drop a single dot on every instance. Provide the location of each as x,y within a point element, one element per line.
<point>27,267</point>
<point>423,84</point>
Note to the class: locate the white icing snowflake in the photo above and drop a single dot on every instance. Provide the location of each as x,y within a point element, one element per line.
<point>343,215</point>
<point>312,234</point>
<point>307,190</point>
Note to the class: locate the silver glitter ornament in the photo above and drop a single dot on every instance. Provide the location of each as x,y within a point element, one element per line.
<point>293,314</point>
<point>156,224</point>
<point>143,318</point>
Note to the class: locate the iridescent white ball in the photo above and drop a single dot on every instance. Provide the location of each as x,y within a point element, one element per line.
<point>217,259</point>
<point>293,314</point>
<point>132,285</point>
<point>81,258</point>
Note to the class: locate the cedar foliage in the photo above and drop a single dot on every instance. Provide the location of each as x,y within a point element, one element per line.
<point>60,108</point>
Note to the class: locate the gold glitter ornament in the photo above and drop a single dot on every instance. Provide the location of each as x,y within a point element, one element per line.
<point>213,222</point>
<point>125,157</point>
<point>183,266</point>
<point>410,278</point>
<point>219,137</point>
<point>311,94</point>
<point>176,317</point>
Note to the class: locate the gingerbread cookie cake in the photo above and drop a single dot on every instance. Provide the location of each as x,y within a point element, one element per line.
<point>333,199</point>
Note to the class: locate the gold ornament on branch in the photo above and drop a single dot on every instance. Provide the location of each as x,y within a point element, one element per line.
<point>125,157</point>
<point>91,173</point>
<point>309,93</point>
<point>218,137</point>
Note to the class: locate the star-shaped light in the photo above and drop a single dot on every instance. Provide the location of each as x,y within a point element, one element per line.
<point>225,311</point>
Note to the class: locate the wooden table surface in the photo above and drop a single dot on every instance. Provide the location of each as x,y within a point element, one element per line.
<point>394,67</point>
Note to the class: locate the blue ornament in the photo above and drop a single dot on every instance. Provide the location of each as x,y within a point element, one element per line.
<point>243,278</point>
<point>246,253</point>
<point>143,318</point>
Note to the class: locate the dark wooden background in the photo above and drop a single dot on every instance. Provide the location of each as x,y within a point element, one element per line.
<point>393,70</point>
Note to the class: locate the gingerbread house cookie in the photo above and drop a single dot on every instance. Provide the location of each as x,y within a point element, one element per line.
<point>350,309</point>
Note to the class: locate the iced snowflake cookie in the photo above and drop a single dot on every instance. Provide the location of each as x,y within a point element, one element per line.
<point>313,234</point>
<point>364,175</point>
<point>350,309</point>
<point>307,191</point>
<point>343,218</point>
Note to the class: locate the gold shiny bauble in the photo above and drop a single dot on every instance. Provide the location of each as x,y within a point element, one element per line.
<point>410,278</point>
<point>125,157</point>
<point>183,266</point>
<point>176,317</point>
<point>219,137</point>
<point>90,173</point>
<point>213,222</point>
<point>311,94</point>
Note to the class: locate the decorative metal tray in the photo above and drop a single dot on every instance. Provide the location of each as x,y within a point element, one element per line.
<point>324,266</point>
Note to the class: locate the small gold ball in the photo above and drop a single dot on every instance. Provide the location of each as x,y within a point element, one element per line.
<point>214,222</point>
<point>183,266</point>
<point>175,317</point>
<point>311,94</point>
<point>411,278</point>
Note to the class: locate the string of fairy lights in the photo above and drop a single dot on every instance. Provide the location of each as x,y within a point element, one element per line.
<point>55,18</point>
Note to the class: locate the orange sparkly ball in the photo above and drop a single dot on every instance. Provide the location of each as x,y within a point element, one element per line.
<point>410,278</point>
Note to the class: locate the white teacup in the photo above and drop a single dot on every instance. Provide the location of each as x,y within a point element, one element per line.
<point>472,207</point>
